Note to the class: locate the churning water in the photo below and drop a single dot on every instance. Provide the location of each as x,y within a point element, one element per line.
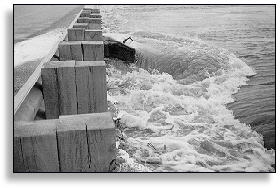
<point>185,116</point>
<point>183,110</point>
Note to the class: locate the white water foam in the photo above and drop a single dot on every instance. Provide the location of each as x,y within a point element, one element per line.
<point>37,47</point>
<point>178,126</point>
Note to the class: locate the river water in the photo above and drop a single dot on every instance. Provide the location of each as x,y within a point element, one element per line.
<point>214,85</point>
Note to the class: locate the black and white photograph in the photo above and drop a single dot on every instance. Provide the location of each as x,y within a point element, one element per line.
<point>150,88</point>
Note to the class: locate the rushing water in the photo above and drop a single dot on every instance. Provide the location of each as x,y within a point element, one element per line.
<point>196,118</point>
<point>187,112</point>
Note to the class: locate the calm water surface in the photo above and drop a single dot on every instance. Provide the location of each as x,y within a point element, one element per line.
<point>32,20</point>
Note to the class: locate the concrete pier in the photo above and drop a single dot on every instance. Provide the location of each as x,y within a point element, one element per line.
<point>79,133</point>
<point>79,143</point>
<point>81,25</point>
<point>93,35</point>
<point>95,16</point>
<point>74,87</point>
<point>76,34</point>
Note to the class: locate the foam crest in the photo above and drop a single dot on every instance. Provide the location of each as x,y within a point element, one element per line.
<point>185,58</point>
<point>178,127</point>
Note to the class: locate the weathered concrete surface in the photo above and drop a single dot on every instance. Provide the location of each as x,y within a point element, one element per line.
<point>75,143</point>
